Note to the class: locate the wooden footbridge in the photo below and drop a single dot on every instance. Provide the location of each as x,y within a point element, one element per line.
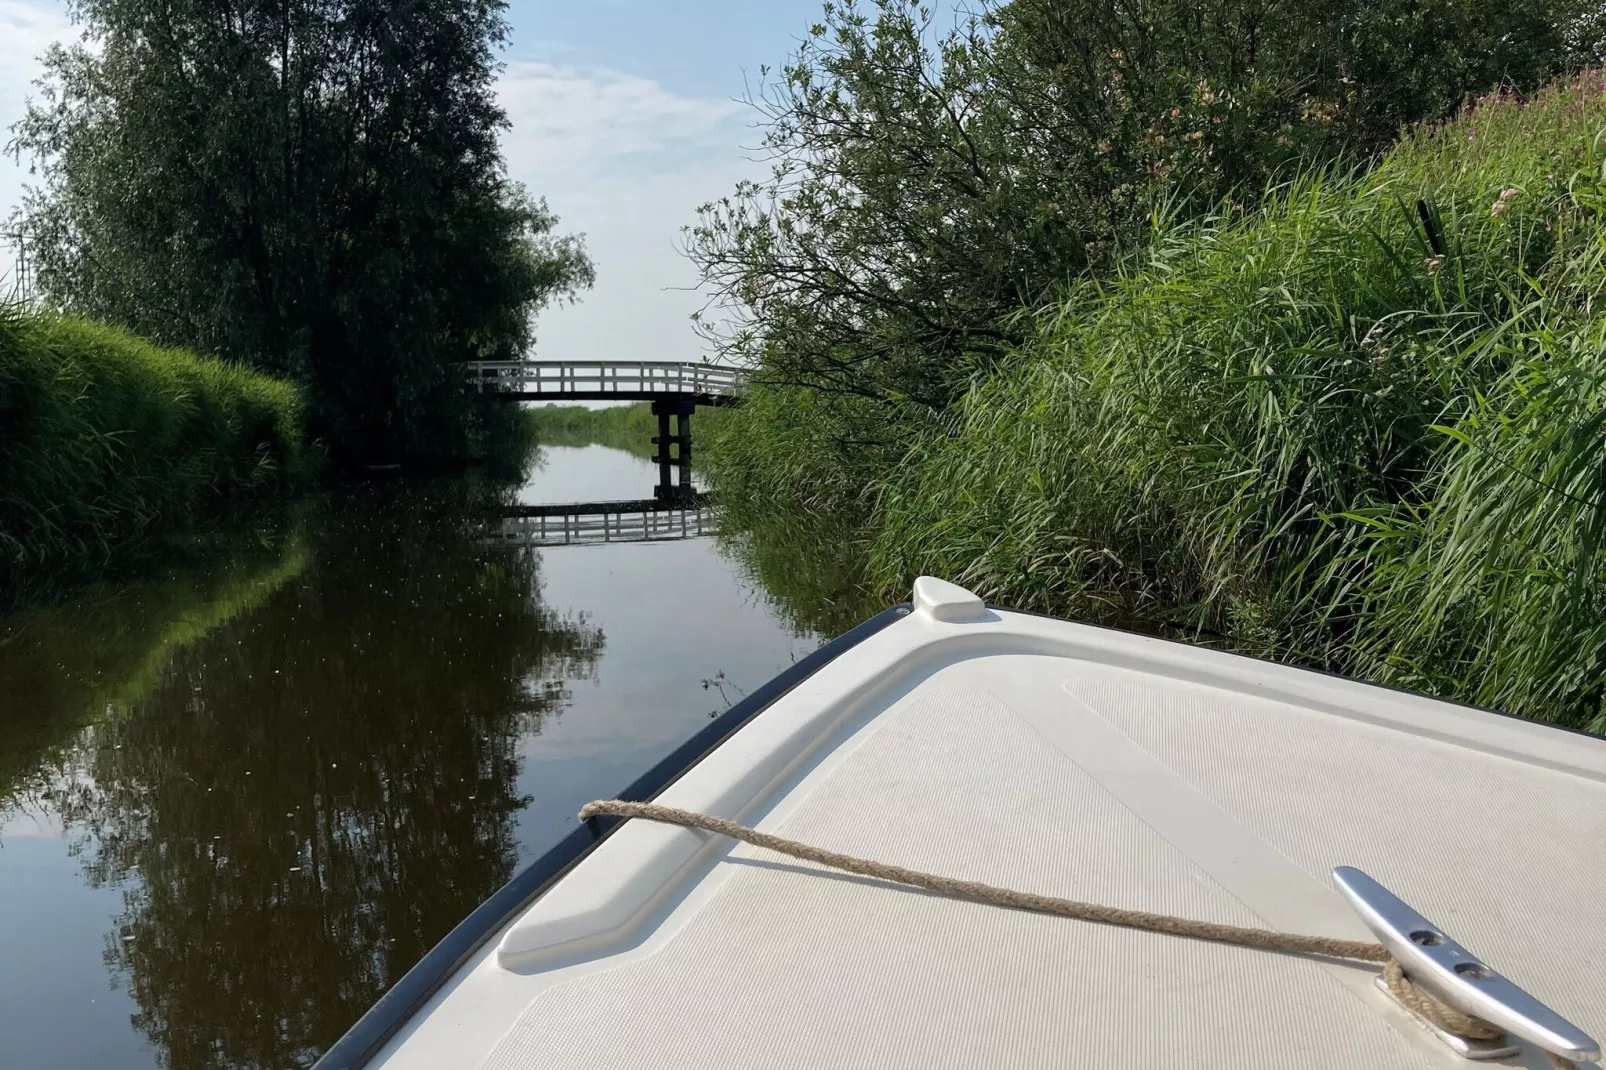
<point>675,390</point>
<point>647,520</point>
<point>613,380</point>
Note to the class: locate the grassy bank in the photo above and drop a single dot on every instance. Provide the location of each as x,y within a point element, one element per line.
<point>623,427</point>
<point>1356,426</point>
<point>106,439</point>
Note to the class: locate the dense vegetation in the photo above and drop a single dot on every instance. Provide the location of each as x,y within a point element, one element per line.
<point>313,188</point>
<point>1353,422</point>
<point>1358,427</point>
<point>105,438</point>
<point>624,427</point>
<point>928,187</point>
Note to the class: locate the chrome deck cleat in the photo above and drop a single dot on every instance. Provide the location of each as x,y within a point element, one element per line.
<point>1440,966</point>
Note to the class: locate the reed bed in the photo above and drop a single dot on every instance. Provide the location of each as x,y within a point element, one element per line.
<point>105,438</point>
<point>1358,425</point>
<point>624,427</point>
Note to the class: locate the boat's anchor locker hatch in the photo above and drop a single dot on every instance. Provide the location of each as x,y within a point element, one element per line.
<point>1465,1002</point>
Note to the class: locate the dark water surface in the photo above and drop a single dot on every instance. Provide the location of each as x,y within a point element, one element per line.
<point>240,798</point>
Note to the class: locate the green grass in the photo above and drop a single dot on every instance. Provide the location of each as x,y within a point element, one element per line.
<point>622,427</point>
<point>1300,430</point>
<point>106,439</point>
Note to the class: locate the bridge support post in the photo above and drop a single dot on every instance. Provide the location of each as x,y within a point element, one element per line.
<point>662,442</point>
<point>681,409</point>
<point>683,437</point>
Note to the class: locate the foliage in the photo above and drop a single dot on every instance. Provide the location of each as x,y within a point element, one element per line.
<point>927,186</point>
<point>105,438</point>
<point>808,568</point>
<point>623,427</point>
<point>765,455</point>
<point>312,187</point>
<point>1359,427</point>
<point>503,442</point>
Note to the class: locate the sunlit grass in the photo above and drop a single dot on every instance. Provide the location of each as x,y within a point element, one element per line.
<point>1359,426</point>
<point>106,438</point>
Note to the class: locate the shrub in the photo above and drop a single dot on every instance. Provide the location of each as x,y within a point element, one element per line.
<point>925,184</point>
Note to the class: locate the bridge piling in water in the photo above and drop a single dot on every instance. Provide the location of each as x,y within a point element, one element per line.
<point>680,409</point>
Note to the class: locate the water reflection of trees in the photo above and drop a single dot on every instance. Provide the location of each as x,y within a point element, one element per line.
<point>63,664</point>
<point>810,568</point>
<point>316,792</point>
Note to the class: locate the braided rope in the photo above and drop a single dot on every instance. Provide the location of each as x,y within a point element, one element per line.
<point>1409,995</point>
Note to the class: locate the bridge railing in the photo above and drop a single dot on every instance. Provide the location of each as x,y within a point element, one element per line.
<point>559,379</point>
<point>659,525</point>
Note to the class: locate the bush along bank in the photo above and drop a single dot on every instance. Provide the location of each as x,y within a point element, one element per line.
<point>1358,426</point>
<point>624,427</point>
<point>106,439</point>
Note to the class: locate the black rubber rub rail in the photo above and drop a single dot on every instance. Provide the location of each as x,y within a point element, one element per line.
<point>364,1039</point>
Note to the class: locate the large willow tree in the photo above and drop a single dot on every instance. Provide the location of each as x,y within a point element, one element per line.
<point>313,186</point>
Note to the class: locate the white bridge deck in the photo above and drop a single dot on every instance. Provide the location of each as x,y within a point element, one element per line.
<point>639,380</point>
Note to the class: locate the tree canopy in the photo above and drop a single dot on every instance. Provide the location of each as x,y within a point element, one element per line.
<point>927,186</point>
<point>312,186</point>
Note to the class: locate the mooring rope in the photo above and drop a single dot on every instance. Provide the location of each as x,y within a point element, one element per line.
<point>1411,996</point>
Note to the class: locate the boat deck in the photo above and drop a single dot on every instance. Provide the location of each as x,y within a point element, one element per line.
<point>1074,762</point>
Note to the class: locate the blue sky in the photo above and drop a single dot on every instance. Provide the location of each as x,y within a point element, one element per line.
<point>694,47</point>
<point>624,118</point>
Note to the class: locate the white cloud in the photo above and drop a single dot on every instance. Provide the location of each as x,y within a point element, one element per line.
<point>617,156</point>
<point>580,124</point>
<point>627,162</point>
<point>26,30</point>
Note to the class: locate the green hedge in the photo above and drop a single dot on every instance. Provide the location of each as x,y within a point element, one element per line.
<point>105,438</point>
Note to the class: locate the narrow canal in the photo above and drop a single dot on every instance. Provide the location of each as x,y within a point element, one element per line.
<point>240,798</point>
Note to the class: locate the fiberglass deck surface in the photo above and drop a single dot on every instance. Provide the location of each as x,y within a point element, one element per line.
<point>1057,776</point>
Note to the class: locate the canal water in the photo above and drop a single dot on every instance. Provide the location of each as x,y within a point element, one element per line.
<point>239,798</point>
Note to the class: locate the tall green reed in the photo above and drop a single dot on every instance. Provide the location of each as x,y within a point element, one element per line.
<point>1358,426</point>
<point>105,438</point>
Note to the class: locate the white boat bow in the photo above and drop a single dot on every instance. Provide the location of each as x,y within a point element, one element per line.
<point>1057,759</point>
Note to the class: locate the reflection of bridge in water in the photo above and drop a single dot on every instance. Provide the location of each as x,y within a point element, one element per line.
<point>580,523</point>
